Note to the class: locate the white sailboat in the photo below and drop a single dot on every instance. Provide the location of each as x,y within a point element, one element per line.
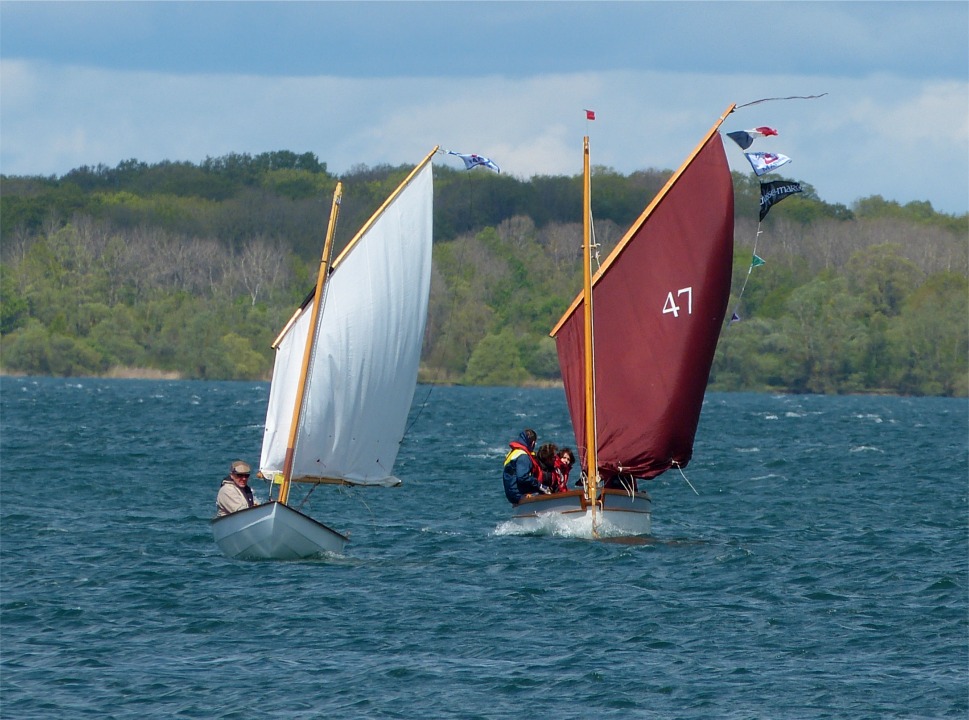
<point>344,376</point>
<point>654,311</point>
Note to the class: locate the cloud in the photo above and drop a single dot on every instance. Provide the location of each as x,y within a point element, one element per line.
<point>882,134</point>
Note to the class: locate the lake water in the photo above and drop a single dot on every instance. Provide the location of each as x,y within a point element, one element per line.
<point>821,572</point>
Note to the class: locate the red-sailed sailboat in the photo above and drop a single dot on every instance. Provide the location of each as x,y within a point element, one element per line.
<point>654,311</point>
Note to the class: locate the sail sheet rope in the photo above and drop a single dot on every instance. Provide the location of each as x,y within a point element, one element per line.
<point>683,475</point>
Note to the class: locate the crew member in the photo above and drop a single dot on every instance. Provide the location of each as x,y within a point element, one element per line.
<point>235,493</point>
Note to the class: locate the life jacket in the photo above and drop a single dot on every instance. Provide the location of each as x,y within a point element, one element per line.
<point>517,449</point>
<point>560,478</point>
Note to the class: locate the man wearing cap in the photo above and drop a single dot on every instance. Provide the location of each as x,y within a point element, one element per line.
<point>235,493</point>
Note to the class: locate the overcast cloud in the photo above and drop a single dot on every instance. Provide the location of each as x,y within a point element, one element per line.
<point>374,82</point>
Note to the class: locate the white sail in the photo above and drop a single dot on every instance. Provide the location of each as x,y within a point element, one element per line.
<point>363,372</point>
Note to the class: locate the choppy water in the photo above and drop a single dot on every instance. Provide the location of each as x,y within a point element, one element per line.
<point>820,573</point>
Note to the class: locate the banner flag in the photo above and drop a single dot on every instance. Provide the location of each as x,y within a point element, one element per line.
<point>763,162</point>
<point>757,262</point>
<point>473,160</point>
<point>772,193</point>
<point>745,138</point>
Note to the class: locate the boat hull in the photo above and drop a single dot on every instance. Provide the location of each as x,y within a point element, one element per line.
<point>618,514</point>
<point>274,531</point>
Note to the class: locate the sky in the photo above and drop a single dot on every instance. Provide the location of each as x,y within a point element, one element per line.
<point>372,83</point>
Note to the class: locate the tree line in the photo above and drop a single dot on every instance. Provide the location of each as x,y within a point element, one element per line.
<point>193,269</point>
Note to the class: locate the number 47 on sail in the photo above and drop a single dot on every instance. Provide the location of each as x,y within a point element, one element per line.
<point>672,307</point>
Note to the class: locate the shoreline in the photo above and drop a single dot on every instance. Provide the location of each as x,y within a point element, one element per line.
<point>115,373</point>
<point>128,373</point>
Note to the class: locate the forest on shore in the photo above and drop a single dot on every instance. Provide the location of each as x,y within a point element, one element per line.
<point>178,269</point>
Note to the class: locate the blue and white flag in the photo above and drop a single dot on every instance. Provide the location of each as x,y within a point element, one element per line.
<point>473,160</point>
<point>764,162</point>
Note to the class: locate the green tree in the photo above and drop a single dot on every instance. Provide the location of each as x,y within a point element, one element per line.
<point>882,278</point>
<point>828,339</point>
<point>496,360</point>
<point>13,307</point>
<point>929,340</point>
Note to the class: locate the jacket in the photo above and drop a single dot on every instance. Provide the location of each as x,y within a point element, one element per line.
<point>521,473</point>
<point>232,498</point>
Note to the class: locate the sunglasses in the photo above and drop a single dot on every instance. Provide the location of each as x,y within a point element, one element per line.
<point>245,475</point>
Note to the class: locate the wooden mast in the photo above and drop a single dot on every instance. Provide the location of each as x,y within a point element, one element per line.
<point>591,442</point>
<point>310,341</point>
<point>326,268</point>
<point>630,233</point>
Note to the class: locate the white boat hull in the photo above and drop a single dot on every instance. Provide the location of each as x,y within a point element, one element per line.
<point>274,531</point>
<point>618,514</point>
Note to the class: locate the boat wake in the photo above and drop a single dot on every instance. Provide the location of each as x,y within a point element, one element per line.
<point>558,525</point>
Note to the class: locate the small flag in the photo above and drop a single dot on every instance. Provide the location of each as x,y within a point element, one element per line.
<point>763,163</point>
<point>757,262</point>
<point>745,138</point>
<point>772,193</point>
<point>473,160</point>
<point>590,114</point>
<point>734,317</point>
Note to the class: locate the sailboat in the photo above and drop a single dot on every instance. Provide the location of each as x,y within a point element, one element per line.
<point>344,375</point>
<point>636,346</point>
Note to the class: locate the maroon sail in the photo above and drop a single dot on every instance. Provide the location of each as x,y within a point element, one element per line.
<point>658,307</point>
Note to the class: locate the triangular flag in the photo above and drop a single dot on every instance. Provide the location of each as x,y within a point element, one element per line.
<point>763,162</point>
<point>772,193</point>
<point>745,138</point>
<point>734,317</point>
<point>757,262</point>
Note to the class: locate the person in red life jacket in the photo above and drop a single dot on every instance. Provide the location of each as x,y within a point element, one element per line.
<point>521,474</point>
<point>235,493</point>
<point>546,462</point>
<point>564,461</point>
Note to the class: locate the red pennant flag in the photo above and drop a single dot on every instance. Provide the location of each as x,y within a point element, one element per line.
<point>590,115</point>
<point>765,131</point>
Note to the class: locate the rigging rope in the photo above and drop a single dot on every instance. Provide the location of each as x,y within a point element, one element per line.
<point>749,269</point>
<point>683,475</point>
<point>423,405</point>
<point>789,97</point>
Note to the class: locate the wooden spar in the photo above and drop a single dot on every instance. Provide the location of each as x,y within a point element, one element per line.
<point>591,454</point>
<point>327,267</point>
<point>380,210</point>
<point>282,333</point>
<point>306,303</point>
<point>310,340</point>
<point>642,218</point>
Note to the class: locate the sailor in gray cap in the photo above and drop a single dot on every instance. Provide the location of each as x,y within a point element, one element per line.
<point>235,493</point>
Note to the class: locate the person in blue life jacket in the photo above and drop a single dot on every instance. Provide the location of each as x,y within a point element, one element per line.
<point>521,474</point>
<point>234,492</point>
